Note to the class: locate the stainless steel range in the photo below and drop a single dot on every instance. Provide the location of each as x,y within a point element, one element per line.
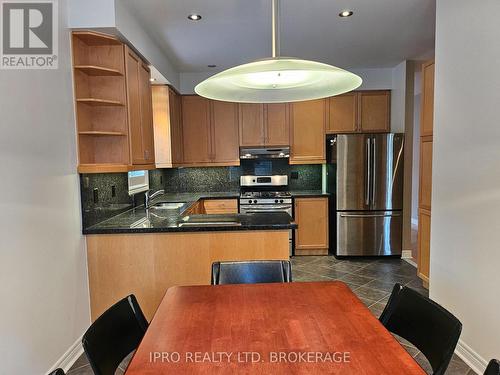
<point>266,194</point>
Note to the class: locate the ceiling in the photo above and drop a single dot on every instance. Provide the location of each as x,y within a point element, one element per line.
<point>380,34</point>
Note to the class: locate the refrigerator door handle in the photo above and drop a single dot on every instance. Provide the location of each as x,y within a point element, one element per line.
<point>374,171</point>
<point>371,215</point>
<point>368,172</point>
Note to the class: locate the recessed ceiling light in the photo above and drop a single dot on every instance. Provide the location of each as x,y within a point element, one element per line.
<point>152,79</point>
<point>194,17</point>
<point>211,65</point>
<point>346,13</point>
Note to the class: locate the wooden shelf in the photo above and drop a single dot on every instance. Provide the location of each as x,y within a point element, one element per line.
<point>94,70</point>
<point>103,168</point>
<point>102,133</point>
<point>92,38</point>
<point>100,102</point>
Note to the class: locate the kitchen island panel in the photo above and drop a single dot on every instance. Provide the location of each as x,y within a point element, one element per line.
<point>148,264</point>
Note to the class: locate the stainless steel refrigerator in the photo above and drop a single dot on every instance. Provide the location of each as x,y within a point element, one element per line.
<point>366,176</point>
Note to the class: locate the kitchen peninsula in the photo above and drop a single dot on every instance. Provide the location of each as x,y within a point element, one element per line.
<point>174,242</point>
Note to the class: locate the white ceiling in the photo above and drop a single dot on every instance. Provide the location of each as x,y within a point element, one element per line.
<point>381,33</point>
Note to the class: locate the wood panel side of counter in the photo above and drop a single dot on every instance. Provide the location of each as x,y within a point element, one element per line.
<point>148,264</point>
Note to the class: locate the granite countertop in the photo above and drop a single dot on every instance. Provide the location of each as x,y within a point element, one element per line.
<point>140,220</point>
<point>309,193</point>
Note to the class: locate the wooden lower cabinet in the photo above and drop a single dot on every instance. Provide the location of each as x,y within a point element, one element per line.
<point>220,206</point>
<point>148,264</point>
<point>424,240</point>
<point>311,216</point>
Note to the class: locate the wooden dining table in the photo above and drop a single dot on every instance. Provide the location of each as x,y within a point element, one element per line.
<point>278,328</point>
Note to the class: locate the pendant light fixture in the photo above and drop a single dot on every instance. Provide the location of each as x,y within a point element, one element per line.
<point>278,79</point>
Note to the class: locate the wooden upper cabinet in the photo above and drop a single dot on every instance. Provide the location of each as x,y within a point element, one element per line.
<point>374,111</point>
<point>209,132</point>
<point>167,131</point>
<point>427,115</point>
<point>224,140</point>
<point>360,112</point>
<point>343,113</point>
<point>307,132</point>
<point>311,216</point>
<point>277,129</point>
<point>196,131</point>
<point>175,127</point>
<point>146,113</point>
<point>140,113</point>
<point>134,107</point>
<point>251,123</point>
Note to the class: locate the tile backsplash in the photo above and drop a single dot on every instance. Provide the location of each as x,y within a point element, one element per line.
<point>104,195</point>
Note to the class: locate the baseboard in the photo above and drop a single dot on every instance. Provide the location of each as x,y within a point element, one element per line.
<point>406,256</point>
<point>69,358</point>
<point>470,357</point>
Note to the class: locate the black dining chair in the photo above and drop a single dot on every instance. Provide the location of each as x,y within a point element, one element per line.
<point>493,368</point>
<point>395,291</point>
<point>431,328</point>
<point>114,335</point>
<point>251,272</point>
<point>57,371</point>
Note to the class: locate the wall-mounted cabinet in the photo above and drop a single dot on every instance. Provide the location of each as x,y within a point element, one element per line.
<point>209,132</point>
<point>307,132</point>
<point>264,124</point>
<point>102,85</point>
<point>360,112</point>
<point>167,127</point>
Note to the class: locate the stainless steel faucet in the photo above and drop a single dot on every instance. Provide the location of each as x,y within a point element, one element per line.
<point>150,195</point>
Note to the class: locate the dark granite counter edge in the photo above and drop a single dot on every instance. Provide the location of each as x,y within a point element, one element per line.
<point>246,227</point>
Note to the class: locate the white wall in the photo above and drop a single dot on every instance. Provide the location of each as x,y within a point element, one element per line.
<point>465,252</point>
<point>91,13</point>
<point>133,31</point>
<point>43,276</point>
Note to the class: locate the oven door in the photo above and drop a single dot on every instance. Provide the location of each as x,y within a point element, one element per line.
<point>270,208</point>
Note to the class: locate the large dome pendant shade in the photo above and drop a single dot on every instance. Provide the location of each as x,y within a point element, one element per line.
<point>278,79</point>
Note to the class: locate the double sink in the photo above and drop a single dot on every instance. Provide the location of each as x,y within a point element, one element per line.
<point>174,210</point>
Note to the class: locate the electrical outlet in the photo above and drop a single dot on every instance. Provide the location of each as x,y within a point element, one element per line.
<point>294,175</point>
<point>113,191</point>
<point>96,195</point>
<point>86,182</point>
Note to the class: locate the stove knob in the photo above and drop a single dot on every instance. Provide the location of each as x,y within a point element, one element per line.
<point>281,200</point>
<point>249,201</point>
<point>276,201</point>
<point>255,201</point>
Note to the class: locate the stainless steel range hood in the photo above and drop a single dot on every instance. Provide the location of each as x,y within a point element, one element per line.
<point>264,152</point>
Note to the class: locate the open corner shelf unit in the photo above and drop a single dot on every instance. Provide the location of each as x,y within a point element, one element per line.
<point>101,102</point>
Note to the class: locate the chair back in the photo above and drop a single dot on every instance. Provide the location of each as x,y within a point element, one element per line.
<point>493,367</point>
<point>424,323</point>
<point>115,334</point>
<point>395,291</point>
<point>251,272</point>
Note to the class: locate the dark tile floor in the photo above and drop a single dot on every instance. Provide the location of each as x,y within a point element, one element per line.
<point>370,279</point>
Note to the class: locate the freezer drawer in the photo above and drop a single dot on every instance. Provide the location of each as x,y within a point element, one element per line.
<point>369,233</point>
